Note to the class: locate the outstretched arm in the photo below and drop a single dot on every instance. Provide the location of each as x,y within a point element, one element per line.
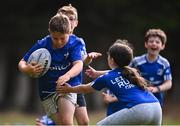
<point>83,88</point>
<point>163,87</point>
<point>90,57</point>
<point>91,72</point>
<point>74,71</point>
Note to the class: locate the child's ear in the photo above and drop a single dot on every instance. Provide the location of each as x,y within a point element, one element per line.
<point>163,46</point>
<point>113,62</point>
<point>145,44</point>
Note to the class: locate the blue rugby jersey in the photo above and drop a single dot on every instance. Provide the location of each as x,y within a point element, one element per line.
<point>113,106</point>
<point>62,59</point>
<point>127,93</point>
<point>155,72</point>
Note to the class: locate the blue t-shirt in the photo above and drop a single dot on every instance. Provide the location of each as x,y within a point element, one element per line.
<point>127,93</point>
<point>155,72</point>
<point>62,61</point>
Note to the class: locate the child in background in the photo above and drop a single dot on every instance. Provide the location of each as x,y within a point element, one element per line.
<point>141,106</point>
<point>66,66</point>
<point>152,66</point>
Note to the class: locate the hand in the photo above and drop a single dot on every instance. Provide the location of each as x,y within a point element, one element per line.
<point>63,79</point>
<point>94,55</point>
<point>62,89</point>
<point>34,68</point>
<point>91,72</point>
<point>91,56</point>
<point>153,89</point>
<point>108,98</point>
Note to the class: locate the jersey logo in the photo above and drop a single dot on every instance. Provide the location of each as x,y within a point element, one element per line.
<point>66,55</point>
<point>160,72</point>
<point>151,79</point>
<point>59,68</point>
<point>167,71</point>
<point>122,82</point>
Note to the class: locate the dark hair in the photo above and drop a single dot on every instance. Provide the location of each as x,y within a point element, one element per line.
<point>134,77</point>
<point>122,55</point>
<point>60,23</point>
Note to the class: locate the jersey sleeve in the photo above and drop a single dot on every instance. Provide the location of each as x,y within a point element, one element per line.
<point>43,43</point>
<point>76,51</point>
<point>83,49</point>
<point>99,83</point>
<point>167,73</point>
<point>33,48</point>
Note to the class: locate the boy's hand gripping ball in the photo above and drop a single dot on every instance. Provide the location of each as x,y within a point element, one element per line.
<point>43,57</point>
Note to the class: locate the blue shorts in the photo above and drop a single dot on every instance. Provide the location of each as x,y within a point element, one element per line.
<point>81,100</point>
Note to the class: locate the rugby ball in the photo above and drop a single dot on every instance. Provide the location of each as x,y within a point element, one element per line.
<point>43,57</point>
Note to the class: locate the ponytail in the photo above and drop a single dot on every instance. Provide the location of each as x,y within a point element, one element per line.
<point>134,77</point>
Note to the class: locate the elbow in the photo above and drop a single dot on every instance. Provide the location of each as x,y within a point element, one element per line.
<point>19,66</point>
<point>22,66</point>
<point>169,85</point>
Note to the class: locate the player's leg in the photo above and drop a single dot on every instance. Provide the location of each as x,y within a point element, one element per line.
<point>81,114</point>
<point>50,107</point>
<point>66,109</point>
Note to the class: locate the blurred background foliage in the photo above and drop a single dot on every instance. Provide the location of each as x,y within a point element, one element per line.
<point>101,22</point>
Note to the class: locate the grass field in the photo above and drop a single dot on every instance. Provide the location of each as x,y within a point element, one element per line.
<point>17,118</point>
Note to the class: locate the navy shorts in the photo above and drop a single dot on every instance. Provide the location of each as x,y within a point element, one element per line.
<point>81,100</point>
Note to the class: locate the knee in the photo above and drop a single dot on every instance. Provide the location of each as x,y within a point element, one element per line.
<point>66,122</point>
<point>83,121</point>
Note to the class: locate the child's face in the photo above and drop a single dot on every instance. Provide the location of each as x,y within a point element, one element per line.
<point>73,21</point>
<point>59,39</point>
<point>154,45</point>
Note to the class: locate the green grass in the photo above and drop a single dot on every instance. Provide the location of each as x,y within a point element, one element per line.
<point>17,118</point>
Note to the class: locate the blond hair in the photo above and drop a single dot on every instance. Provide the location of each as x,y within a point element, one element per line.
<point>68,10</point>
<point>156,32</point>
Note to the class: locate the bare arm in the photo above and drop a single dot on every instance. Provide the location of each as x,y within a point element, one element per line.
<point>91,72</point>
<point>166,85</point>
<point>90,57</point>
<point>23,66</point>
<point>74,71</point>
<point>83,88</point>
<point>29,68</point>
<point>163,87</point>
